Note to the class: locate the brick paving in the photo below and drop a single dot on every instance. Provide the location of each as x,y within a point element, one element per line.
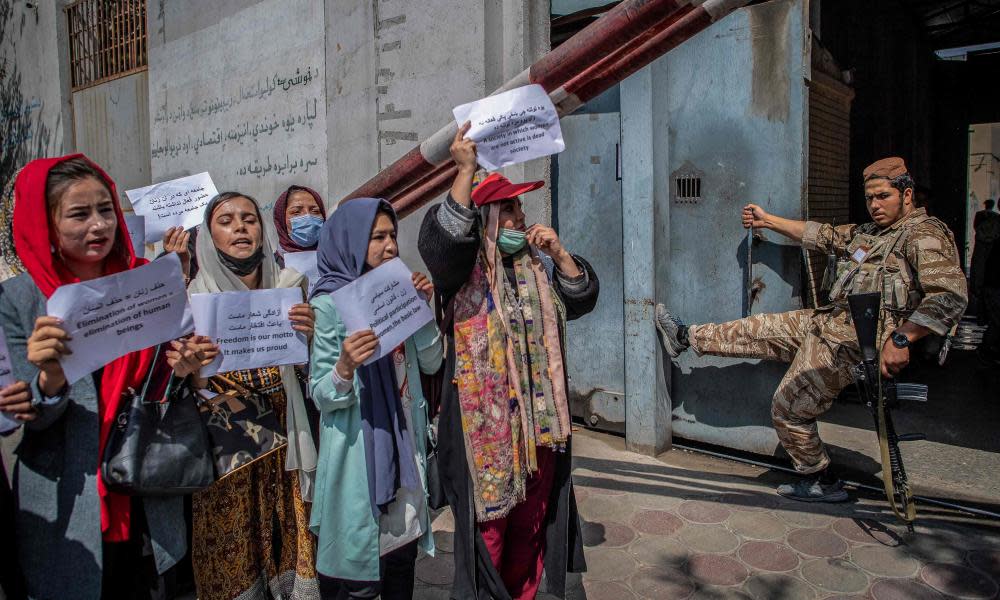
<point>689,527</point>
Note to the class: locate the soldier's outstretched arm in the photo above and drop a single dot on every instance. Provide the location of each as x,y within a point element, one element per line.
<point>756,217</point>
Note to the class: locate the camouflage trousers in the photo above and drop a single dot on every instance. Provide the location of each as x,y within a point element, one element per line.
<point>820,367</point>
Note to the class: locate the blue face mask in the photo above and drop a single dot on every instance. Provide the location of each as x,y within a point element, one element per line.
<point>510,241</point>
<point>305,230</point>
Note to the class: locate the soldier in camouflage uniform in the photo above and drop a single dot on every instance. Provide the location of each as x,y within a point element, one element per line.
<point>905,254</point>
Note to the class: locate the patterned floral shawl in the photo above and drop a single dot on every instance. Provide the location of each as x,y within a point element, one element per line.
<point>509,371</point>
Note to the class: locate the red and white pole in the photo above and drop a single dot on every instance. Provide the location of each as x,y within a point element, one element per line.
<point>622,41</point>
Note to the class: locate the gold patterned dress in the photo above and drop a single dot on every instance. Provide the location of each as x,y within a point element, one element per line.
<point>251,536</point>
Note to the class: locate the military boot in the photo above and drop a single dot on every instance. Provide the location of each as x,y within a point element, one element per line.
<point>813,490</point>
<point>672,331</point>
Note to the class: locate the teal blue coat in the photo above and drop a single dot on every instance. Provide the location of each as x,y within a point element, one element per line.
<point>341,518</point>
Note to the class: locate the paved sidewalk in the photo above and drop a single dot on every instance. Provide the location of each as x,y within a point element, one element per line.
<point>690,526</point>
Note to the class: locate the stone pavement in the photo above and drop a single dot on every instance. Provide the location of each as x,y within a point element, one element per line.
<point>689,526</point>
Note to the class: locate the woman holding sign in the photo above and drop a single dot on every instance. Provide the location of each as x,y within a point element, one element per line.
<point>250,531</point>
<point>75,537</point>
<point>370,510</point>
<point>510,289</point>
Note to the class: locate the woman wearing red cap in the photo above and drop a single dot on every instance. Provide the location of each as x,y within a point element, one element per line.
<point>75,537</point>
<point>504,432</point>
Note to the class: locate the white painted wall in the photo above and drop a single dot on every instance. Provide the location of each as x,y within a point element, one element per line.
<point>238,90</point>
<point>395,70</point>
<point>35,117</point>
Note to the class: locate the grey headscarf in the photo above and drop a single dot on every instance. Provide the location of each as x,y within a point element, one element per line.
<point>214,277</point>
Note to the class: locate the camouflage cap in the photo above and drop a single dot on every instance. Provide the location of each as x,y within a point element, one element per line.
<point>887,168</point>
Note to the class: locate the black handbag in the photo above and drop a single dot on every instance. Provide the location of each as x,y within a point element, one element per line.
<point>158,445</point>
<point>241,424</point>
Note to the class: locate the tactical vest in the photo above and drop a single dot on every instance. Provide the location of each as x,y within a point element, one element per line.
<point>883,268</point>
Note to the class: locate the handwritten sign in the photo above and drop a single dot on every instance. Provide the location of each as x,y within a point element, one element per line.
<point>7,423</point>
<point>179,202</point>
<point>512,127</point>
<point>251,328</point>
<point>136,225</point>
<point>305,263</point>
<point>385,301</point>
<point>111,316</point>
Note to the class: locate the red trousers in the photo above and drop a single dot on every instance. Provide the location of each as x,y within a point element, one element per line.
<point>517,541</point>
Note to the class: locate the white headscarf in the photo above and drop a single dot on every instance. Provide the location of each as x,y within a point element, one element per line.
<point>214,277</point>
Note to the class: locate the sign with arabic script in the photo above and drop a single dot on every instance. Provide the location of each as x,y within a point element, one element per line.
<point>109,317</point>
<point>512,127</point>
<point>385,301</point>
<point>252,329</point>
<point>175,203</point>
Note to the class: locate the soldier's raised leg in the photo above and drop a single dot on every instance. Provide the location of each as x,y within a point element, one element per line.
<point>820,370</point>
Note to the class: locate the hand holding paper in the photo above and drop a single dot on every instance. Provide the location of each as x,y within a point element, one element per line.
<point>176,203</point>
<point>108,317</point>
<point>512,127</point>
<point>253,329</point>
<point>385,301</point>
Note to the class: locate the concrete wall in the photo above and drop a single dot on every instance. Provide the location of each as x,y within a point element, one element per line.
<point>237,89</point>
<point>111,121</point>
<point>395,70</point>
<point>34,84</point>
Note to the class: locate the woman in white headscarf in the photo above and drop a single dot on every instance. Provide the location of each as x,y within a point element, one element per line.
<point>236,519</point>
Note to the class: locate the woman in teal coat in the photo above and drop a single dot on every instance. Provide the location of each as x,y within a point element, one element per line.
<point>370,506</point>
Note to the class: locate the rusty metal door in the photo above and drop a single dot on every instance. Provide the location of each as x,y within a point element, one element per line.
<point>589,218</point>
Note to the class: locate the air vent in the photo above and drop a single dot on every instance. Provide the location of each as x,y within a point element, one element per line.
<point>687,184</point>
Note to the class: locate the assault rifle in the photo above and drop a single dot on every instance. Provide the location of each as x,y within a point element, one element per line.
<point>880,395</point>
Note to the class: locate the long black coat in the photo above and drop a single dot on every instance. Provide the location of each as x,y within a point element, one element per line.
<point>450,261</point>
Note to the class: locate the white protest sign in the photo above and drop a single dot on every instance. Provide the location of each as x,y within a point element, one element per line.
<point>252,329</point>
<point>512,127</point>
<point>305,263</point>
<point>136,225</point>
<point>385,301</point>
<point>7,423</point>
<point>111,316</point>
<point>179,202</point>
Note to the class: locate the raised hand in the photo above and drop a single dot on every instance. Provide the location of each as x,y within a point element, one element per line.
<point>176,240</point>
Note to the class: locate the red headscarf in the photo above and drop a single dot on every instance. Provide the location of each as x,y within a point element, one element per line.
<point>281,224</point>
<point>34,240</point>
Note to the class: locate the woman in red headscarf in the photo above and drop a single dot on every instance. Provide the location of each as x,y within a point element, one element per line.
<point>75,537</point>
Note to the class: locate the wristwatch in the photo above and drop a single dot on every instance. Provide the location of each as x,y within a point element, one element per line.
<point>900,340</point>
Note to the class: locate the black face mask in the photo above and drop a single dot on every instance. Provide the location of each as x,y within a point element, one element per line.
<point>242,266</point>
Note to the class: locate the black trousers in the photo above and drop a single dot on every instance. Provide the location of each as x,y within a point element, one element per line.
<point>128,569</point>
<point>11,581</point>
<point>397,568</point>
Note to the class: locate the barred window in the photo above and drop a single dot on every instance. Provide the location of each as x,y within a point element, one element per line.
<point>107,40</point>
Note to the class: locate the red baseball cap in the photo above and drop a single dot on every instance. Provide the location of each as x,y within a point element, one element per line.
<point>496,187</point>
